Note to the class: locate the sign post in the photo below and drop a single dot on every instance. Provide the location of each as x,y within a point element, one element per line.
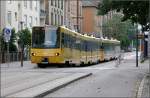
<point>7,35</point>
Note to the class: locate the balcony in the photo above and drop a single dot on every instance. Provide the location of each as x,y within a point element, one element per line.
<point>42,13</point>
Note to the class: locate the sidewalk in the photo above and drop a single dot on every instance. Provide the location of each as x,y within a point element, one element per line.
<point>144,88</point>
<point>17,81</point>
<point>26,65</point>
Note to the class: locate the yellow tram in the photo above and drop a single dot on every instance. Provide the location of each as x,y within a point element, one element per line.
<point>62,46</point>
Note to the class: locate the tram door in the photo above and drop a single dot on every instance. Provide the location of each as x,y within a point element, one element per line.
<point>102,53</point>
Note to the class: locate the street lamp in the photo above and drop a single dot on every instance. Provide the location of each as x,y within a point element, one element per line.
<point>138,28</point>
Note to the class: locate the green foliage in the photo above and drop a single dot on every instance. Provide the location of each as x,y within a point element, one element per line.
<point>135,10</point>
<point>24,37</point>
<point>123,31</point>
<point>12,45</point>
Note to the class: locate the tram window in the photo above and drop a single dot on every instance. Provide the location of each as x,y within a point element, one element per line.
<point>62,39</point>
<point>82,45</point>
<point>65,40</point>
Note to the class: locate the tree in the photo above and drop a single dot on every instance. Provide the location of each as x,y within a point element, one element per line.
<point>135,10</point>
<point>122,31</point>
<point>24,41</point>
<point>24,38</point>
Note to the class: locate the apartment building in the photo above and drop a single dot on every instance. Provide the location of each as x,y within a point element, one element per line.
<point>52,12</point>
<point>92,22</point>
<point>73,14</point>
<point>61,12</point>
<point>25,12</point>
<point>2,14</point>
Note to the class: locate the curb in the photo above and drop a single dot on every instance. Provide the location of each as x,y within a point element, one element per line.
<point>139,93</point>
<point>49,87</point>
<point>61,86</point>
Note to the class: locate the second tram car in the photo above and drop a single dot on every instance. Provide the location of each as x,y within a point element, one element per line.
<point>60,45</point>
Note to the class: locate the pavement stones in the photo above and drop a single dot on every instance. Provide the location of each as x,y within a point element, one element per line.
<point>144,88</point>
<point>38,89</point>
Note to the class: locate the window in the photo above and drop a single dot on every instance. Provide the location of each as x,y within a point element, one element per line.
<point>31,4</point>
<point>36,3</point>
<point>9,17</point>
<point>69,6</point>
<point>61,20</point>
<point>55,2</point>
<point>16,16</point>
<point>58,20</point>
<point>45,38</point>
<point>25,3</point>
<point>58,4</point>
<point>19,6</point>
<point>25,20</point>
<point>52,2</point>
<point>61,4</point>
<point>30,21</point>
<point>52,19</point>
<point>55,19</point>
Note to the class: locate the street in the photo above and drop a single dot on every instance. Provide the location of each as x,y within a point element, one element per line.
<point>106,80</point>
<point>74,48</point>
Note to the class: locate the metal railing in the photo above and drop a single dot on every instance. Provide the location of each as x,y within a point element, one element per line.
<point>13,56</point>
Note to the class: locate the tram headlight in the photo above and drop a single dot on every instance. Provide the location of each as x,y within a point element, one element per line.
<point>57,54</point>
<point>33,54</point>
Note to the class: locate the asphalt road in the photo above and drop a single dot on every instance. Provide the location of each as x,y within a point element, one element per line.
<point>107,80</point>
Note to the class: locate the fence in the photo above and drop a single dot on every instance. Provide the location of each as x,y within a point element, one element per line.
<point>13,56</point>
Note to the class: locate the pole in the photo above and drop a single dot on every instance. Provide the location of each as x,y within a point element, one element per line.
<point>136,47</point>
<point>149,65</point>
<point>8,57</point>
<point>21,46</point>
<point>0,48</point>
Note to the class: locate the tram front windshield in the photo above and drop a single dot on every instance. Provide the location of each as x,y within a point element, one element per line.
<point>45,37</point>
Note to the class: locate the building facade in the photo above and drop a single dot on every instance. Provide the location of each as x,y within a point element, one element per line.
<point>2,14</point>
<point>16,12</point>
<point>91,21</point>
<point>61,12</point>
<point>73,14</point>
<point>52,12</point>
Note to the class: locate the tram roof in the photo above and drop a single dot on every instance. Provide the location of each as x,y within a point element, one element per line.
<point>86,37</point>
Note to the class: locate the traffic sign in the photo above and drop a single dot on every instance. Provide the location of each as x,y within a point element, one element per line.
<point>7,34</point>
<point>140,36</point>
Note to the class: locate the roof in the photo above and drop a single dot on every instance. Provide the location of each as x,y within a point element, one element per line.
<point>90,3</point>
